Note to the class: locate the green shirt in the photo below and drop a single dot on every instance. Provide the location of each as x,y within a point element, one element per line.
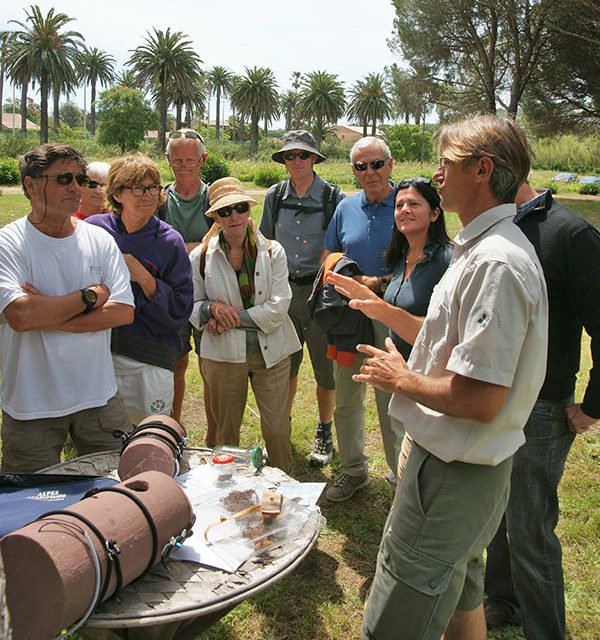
<point>186,216</point>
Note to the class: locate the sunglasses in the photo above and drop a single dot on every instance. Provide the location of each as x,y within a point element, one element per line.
<point>67,178</point>
<point>192,135</point>
<point>375,165</point>
<point>138,192</point>
<point>408,182</point>
<point>93,184</point>
<point>241,207</point>
<point>292,155</point>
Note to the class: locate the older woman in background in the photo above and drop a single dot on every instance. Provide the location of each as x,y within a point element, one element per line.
<point>161,278</point>
<point>93,192</point>
<point>241,298</point>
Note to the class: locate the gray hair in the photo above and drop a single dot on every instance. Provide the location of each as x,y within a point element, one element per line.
<point>201,147</point>
<point>367,141</point>
<point>98,171</point>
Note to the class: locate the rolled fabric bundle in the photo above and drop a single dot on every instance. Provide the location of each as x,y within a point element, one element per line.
<point>62,565</point>
<point>156,444</point>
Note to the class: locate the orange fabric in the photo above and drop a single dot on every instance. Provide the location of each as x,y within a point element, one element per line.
<point>343,358</point>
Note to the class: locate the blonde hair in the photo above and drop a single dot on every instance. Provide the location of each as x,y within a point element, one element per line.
<point>497,138</point>
<point>130,171</point>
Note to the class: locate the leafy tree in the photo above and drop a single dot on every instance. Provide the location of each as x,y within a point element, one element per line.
<point>479,51</point>
<point>167,63</point>
<point>220,81</point>
<point>370,101</point>
<point>46,52</point>
<point>71,115</point>
<point>322,101</point>
<point>409,143</point>
<point>255,95</point>
<point>96,67</point>
<point>124,118</point>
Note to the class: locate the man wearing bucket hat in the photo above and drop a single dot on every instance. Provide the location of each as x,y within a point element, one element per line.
<point>241,298</point>
<point>296,213</point>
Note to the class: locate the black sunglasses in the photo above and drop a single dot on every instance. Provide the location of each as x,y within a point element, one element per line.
<point>93,184</point>
<point>375,165</point>
<point>292,155</point>
<point>408,182</point>
<point>192,135</point>
<point>67,178</point>
<point>241,207</point>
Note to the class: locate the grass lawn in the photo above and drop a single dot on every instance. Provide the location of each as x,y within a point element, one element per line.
<point>324,597</point>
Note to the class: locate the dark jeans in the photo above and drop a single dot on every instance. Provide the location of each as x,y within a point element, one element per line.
<point>524,576</point>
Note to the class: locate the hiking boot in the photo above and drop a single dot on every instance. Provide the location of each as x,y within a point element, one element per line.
<point>322,448</point>
<point>345,486</point>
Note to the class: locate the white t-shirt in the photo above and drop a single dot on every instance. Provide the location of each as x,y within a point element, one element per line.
<point>487,320</point>
<point>48,374</point>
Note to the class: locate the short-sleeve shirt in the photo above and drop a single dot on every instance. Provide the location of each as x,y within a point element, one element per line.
<point>300,233</point>
<point>187,216</point>
<point>487,320</point>
<point>362,230</point>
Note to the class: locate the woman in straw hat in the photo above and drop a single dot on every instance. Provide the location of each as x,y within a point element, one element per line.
<point>241,298</point>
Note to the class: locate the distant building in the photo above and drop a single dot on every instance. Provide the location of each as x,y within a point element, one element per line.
<point>352,133</point>
<point>7,122</point>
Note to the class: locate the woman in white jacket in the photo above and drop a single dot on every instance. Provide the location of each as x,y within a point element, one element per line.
<point>241,299</point>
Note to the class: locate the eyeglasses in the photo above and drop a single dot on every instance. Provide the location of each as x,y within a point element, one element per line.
<point>67,178</point>
<point>408,182</point>
<point>292,155</point>
<point>192,135</point>
<point>93,184</point>
<point>241,207</point>
<point>375,165</point>
<point>139,191</point>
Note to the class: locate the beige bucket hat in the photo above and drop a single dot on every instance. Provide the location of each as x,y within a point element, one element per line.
<point>226,192</point>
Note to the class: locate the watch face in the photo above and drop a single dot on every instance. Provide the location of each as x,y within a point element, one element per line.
<point>91,296</point>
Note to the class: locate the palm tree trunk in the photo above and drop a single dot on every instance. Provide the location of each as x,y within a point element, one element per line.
<point>178,111</point>
<point>24,88</point>
<point>56,110</point>
<point>44,110</point>
<point>374,127</point>
<point>93,109</point>
<point>217,119</point>
<point>266,128</point>
<point>254,134</point>
<point>163,121</point>
<point>1,92</point>
<point>365,125</point>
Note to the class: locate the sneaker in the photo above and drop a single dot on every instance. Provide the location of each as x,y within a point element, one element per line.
<point>322,448</point>
<point>345,486</point>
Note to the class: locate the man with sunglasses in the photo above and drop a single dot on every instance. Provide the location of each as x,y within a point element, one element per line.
<point>296,213</point>
<point>186,200</point>
<point>63,286</point>
<point>362,228</point>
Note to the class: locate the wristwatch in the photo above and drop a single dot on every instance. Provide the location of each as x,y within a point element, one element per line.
<point>89,297</point>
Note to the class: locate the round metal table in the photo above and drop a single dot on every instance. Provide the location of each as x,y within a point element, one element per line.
<point>183,599</point>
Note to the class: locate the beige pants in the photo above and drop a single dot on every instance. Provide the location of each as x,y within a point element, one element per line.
<point>228,384</point>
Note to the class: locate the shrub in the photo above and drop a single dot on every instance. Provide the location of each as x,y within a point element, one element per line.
<point>14,146</point>
<point>551,186</point>
<point>9,171</point>
<point>408,141</point>
<point>214,168</point>
<point>268,176</point>
<point>589,189</point>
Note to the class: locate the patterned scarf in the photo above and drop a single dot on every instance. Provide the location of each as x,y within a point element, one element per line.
<point>246,274</point>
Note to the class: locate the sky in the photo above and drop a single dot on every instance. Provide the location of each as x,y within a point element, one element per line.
<point>344,37</point>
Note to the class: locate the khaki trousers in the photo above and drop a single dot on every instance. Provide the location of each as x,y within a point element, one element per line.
<point>228,384</point>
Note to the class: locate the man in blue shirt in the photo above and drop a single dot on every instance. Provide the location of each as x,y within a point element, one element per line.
<point>361,228</point>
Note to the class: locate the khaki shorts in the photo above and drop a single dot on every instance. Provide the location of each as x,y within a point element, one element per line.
<point>31,445</point>
<point>430,559</point>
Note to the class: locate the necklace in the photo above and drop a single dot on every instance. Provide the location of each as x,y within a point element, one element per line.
<point>419,257</point>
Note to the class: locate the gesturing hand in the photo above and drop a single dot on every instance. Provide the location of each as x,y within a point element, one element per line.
<point>383,369</point>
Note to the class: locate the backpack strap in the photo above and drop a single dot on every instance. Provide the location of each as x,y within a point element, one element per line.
<point>277,200</point>
<point>331,197</point>
<point>161,212</point>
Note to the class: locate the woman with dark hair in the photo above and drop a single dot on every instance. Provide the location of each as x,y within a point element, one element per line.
<point>417,256</point>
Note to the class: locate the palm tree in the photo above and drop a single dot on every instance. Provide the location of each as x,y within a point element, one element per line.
<point>370,101</point>
<point>18,70</point>
<point>127,78</point>
<point>322,101</point>
<point>166,61</point>
<point>95,66</point>
<point>288,102</point>
<point>220,81</point>
<point>4,40</point>
<point>255,95</point>
<point>47,53</point>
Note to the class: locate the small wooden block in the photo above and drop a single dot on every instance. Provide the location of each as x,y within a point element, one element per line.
<point>271,503</point>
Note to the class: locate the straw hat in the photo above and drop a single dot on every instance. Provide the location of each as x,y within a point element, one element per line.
<point>226,192</point>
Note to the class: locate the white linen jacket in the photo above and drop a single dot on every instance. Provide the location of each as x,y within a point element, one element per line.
<point>272,295</point>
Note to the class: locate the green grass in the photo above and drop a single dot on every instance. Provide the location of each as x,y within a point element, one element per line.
<point>324,597</point>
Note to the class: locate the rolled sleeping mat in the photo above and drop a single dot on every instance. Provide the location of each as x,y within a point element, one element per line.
<point>61,566</point>
<point>156,444</point>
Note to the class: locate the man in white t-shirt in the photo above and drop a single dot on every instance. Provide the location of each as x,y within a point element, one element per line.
<point>63,285</point>
<point>473,376</point>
